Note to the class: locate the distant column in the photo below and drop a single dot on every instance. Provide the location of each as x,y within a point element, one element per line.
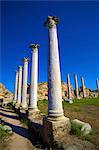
<point>16,86</point>
<point>83,87</point>
<point>97,83</point>
<point>76,86</point>
<point>19,85</point>
<point>24,87</point>
<point>69,89</point>
<point>34,77</point>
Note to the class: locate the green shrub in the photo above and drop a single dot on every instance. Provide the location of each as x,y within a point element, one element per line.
<point>24,121</point>
<point>76,129</point>
<point>3,133</point>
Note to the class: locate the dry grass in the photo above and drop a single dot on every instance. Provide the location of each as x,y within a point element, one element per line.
<point>86,110</point>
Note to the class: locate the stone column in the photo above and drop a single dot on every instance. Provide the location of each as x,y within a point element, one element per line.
<point>76,86</point>
<point>55,125</point>
<point>68,85</point>
<point>83,87</point>
<point>19,86</point>
<point>97,83</point>
<point>16,86</point>
<point>24,86</point>
<point>34,78</point>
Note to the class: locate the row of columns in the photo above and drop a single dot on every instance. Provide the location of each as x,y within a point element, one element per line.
<point>54,77</point>
<point>55,120</point>
<point>20,91</point>
<point>76,87</point>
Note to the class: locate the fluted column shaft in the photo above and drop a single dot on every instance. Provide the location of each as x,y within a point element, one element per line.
<point>54,79</point>
<point>83,87</point>
<point>68,84</point>
<point>76,86</point>
<point>19,85</point>
<point>34,77</point>
<point>16,86</point>
<point>24,86</point>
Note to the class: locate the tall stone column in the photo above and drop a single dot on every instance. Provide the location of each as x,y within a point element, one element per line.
<point>16,86</point>
<point>55,125</point>
<point>69,89</point>
<point>24,86</point>
<point>76,86</point>
<point>83,87</point>
<point>19,85</point>
<point>97,83</point>
<point>34,78</point>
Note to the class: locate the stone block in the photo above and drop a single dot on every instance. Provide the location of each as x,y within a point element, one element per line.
<point>56,130</point>
<point>85,127</point>
<point>33,113</point>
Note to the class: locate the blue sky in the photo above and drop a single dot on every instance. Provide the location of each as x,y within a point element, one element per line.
<point>78,32</point>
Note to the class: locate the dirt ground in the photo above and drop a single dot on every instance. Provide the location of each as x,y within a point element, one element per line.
<point>21,139</point>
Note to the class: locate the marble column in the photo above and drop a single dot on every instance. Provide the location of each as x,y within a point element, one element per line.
<point>55,121</point>
<point>16,86</point>
<point>76,86</point>
<point>19,85</point>
<point>34,78</point>
<point>69,88</point>
<point>97,84</point>
<point>83,87</point>
<point>24,86</point>
<point>54,78</point>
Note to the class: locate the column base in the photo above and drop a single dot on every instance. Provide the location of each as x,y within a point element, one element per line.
<point>24,107</point>
<point>23,112</point>
<point>56,129</point>
<point>17,106</point>
<point>33,113</point>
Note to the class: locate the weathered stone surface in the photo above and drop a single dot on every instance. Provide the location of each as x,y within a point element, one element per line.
<point>55,130</point>
<point>7,128</point>
<point>85,129</point>
<point>33,113</point>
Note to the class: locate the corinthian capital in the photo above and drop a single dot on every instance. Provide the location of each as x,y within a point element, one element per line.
<point>34,47</point>
<point>25,59</point>
<point>20,67</point>
<point>51,21</point>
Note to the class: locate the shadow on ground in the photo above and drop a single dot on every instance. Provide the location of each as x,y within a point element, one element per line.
<point>23,131</point>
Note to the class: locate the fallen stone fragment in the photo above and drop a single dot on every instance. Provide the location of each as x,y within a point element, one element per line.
<point>85,127</point>
<point>7,128</point>
<point>69,101</point>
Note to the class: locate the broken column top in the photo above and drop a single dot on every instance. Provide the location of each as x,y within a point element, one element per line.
<point>51,21</point>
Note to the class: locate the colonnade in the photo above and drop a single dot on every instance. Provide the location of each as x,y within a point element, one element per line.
<point>55,122</point>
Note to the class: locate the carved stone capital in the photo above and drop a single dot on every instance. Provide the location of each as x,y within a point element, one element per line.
<point>34,47</point>
<point>51,21</point>
<point>20,67</point>
<point>25,59</point>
